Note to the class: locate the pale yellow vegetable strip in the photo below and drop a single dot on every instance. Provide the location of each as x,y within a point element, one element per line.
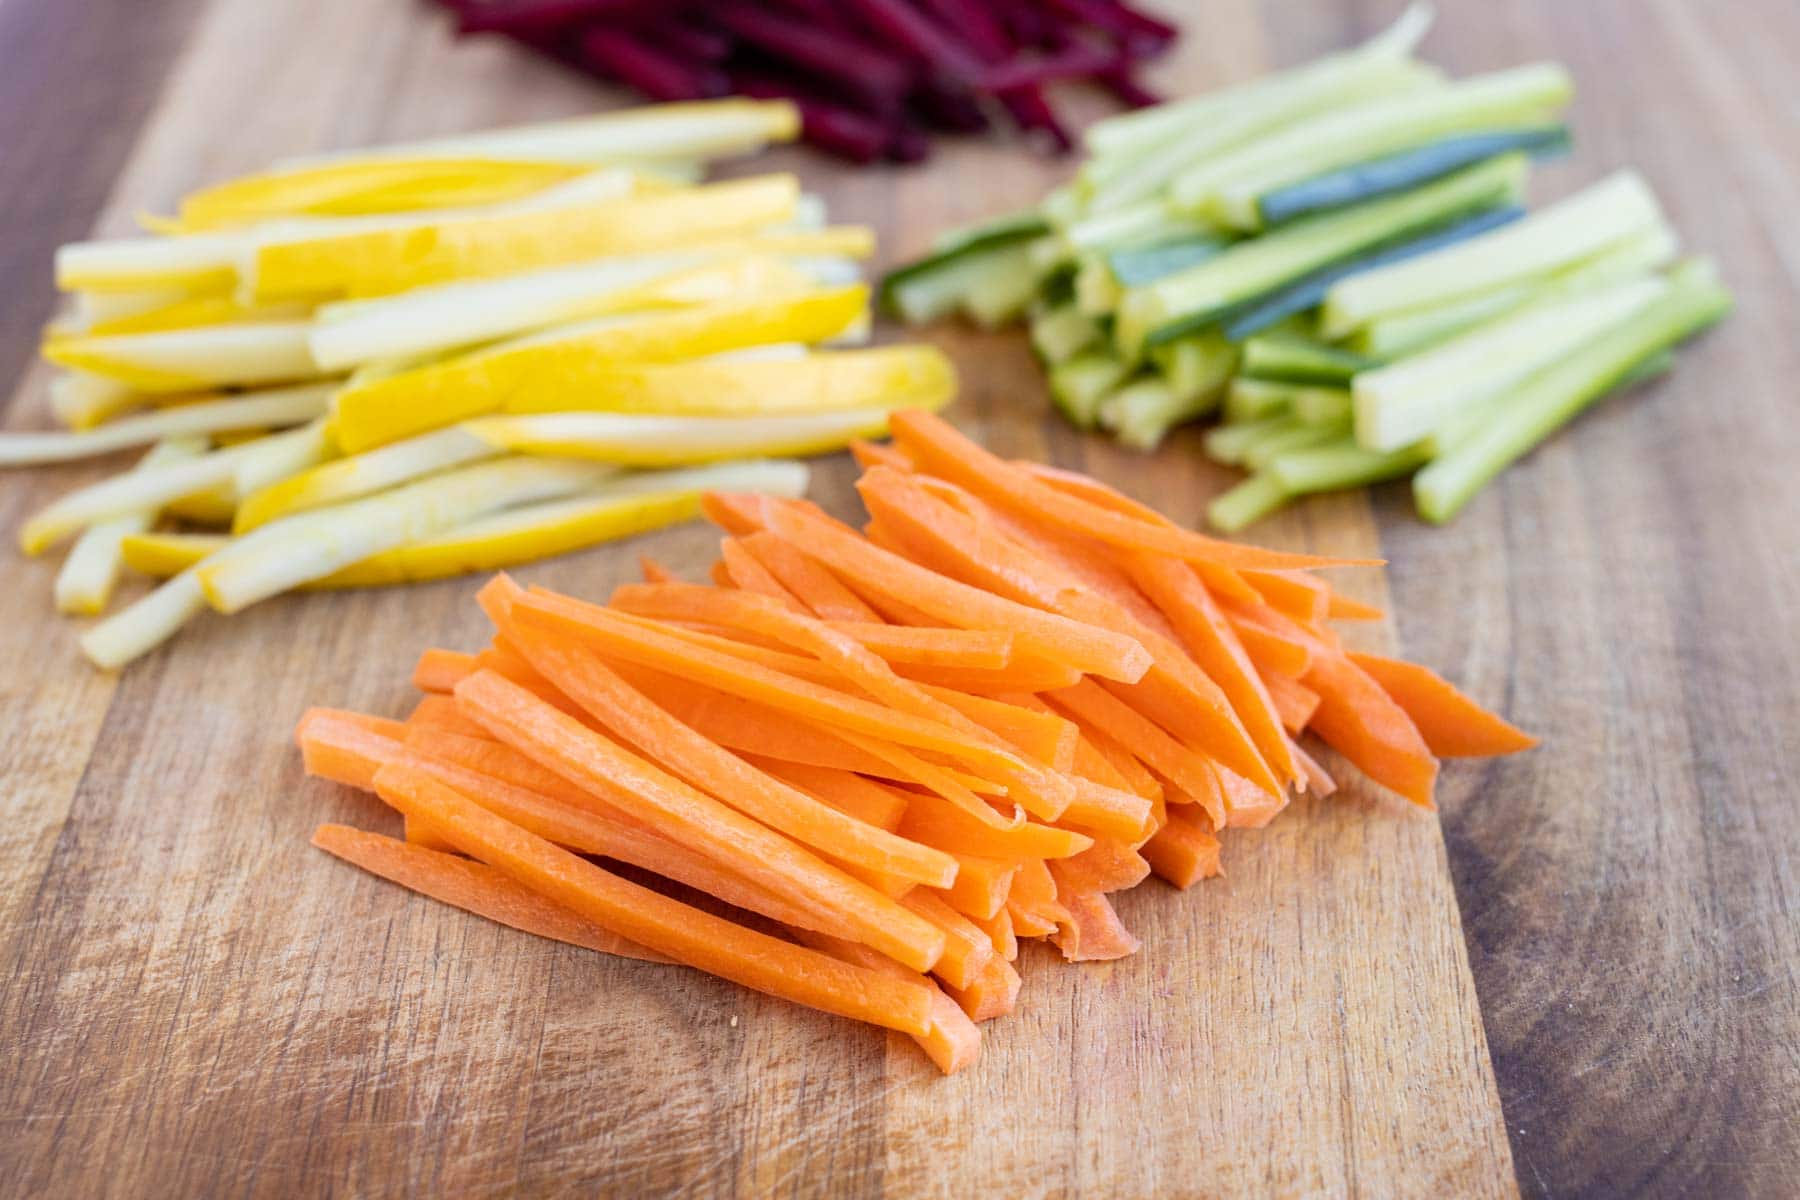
<point>382,262</point>
<point>361,188</point>
<point>312,545</point>
<point>646,441</point>
<point>183,360</point>
<point>363,475</point>
<point>697,130</point>
<point>385,410</point>
<point>284,406</point>
<point>146,624</point>
<point>90,572</point>
<point>272,459</point>
<point>83,401</point>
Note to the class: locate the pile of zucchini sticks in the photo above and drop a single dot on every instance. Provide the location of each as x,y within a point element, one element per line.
<point>422,360</point>
<point>1337,258</point>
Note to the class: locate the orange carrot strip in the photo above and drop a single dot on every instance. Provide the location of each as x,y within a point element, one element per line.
<point>1294,593</point>
<point>439,712</point>
<point>1175,762</point>
<point>1028,924</point>
<point>480,752</point>
<point>737,513</point>
<point>994,993</point>
<point>1246,805</point>
<point>1124,763</point>
<point>934,778</point>
<point>1294,701</point>
<point>874,803</point>
<point>632,641</point>
<point>654,572</point>
<point>594,762</point>
<point>1108,812</point>
<point>1185,850</point>
<point>1097,651</point>
<point>1343,608</point>
<point>1273,653</point>
<point>952,1042</point>
<point>1109,865</point>
<point>636,721</point>
<point>655,921</point>
<point>750,575</point>
<point>1359,720</point>
<point>966,947</point>
<point>346,754</point>
<point>1094,932</point>
<point>1318,781</point>
<point>981,885</point>
<point>1209,638</point>
<point>872,454</point>
<point>1452,724</point>
<point>976,649</point>
<point>940,450</point>
<point>440,670</point>
<point>1025,673</point>
<point>1032,900</point>
<point>1000,932</point>
<point>812,584</point>
<point>383,726</point>
<point>473,887</point>
<point>931,819</point>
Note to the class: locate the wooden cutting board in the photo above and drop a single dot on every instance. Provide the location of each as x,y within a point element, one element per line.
<point>199,1002</point>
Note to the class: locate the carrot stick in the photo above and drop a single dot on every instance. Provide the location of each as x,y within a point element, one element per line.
<point>952,1042</point>
<point>1124,763</point>
<point>1097,651</point>
<point>934,821</point>
<point>815,587</point>
<point>637,722</point>
<point>1175,762</point>
<point>1026,923</point>
<point>346,754</point>
<point>940,450</point>
<point>1294,593</point>
<point>1357,718</point>
<point>1343,608</point>
<point>655,572</point>
<point>875,803</point>
<point>975,649</point>
<point>1109,865</point>
<point>871,454</point>
<point>1273,653</point>
<point>1026,672</point>
<point>1246,805</point>
<point>618,638</point>
<point>382,726</point>
<point>738,514</point>
<point>966,947</point>
<point>654,921</point>
<point>936,779</point>
<point>1294,701</point>
<point>1108,812</point>
<point>594,762</point>
<point>994,993</point>
<point>981,885</point>
<point>439,712</point>
<point>750,575</point>
<point>1032,900</point>
<point>480,752</point>
<point>1452,724</point>
<point>473,887</point>
<point>441,670</point>
<point>1000,932</point>
<point>1209,638</point>
<point>721,575</point>
<point>1094,932</point>
<point>1318,781</point>
<point>1185,850</point>
<point>417,833</point>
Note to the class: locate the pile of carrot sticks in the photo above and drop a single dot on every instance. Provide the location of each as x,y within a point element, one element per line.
<point>889,755</point>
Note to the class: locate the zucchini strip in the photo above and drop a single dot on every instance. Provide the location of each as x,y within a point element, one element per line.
<point>254,410</point>
<point>91,571</point>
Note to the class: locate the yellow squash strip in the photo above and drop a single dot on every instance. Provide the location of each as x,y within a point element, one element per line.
<point>89,573</point>
<point>653,441</point>
<point>184,360</point>
<point>252,410</point>
<point>827,381</point>
<point>382,262</point>
<point>386,410</point>
<point>363,475</point>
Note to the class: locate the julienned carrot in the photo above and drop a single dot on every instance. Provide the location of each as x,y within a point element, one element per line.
<point>1109,865</point>
<point>815,587</point>
<point>480,752</point>
<point>1108,812</point>
<point>655,572</point>
<point>934,777</point>
<point>1041,736</point>
<point>748,573</point>
<point>1343,608</point>
<point>1156,749</point>
<point>966,947</point>
<point>1184,851</point>
<point>994,993</point>
<point>937,448</point>
<point>1094,932</point>
<point>417,833</point>
<point>952,1042</point>
<point>1294,701</point>
<point>875,803</point>
<point>350,755</point>
<point>1027,923</point>
<point>1359,720</point>
<point>1000,932</point>
<point>1207,635</point>
<point>1246,805</point>
<point>473,887</point>
<point>1452,724</point>
<point>1032,900</point>
<point>975,649</point>
<point>981,885</point>
<point>658,922</point>
<point>438,670</point>
<point>936,822</point>
<point>1123,763</point>
<point>440,712</point>
<point>1294,593</point>
<point>1026,672</point>
<point>1273,653</point>
<point>1318,781</point>
<point>382,726</point>
<point>1097,651</point>
<point>1175,690</point>
<point>618,638</point>
<point>594,762</point>
<point>879,454</point>
<point>703,763</point>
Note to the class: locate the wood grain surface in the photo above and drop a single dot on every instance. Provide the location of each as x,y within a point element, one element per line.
<point>198,1003</point>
